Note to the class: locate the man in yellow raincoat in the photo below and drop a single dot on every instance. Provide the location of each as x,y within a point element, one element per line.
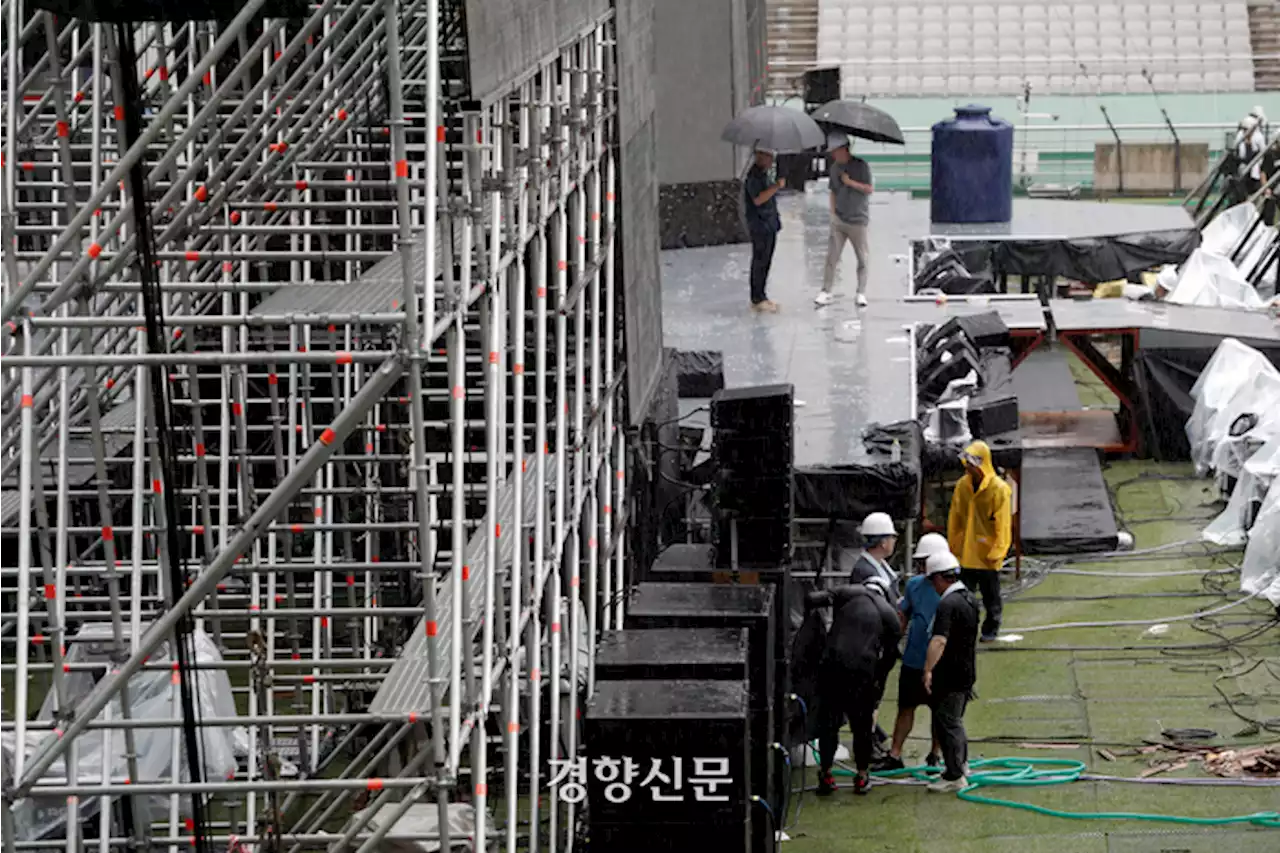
<point>980,530</point>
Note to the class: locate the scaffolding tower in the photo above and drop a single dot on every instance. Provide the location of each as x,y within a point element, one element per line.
<point>313,462</point>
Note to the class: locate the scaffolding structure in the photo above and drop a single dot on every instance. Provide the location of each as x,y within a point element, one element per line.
<point>317,565</point>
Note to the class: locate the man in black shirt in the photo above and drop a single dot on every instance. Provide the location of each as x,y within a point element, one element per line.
<point>761,209</point>
<point>1270,163</point>
<point>861,649</point>
<point>950,669</point>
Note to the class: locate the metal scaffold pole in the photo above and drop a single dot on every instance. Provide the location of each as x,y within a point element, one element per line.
<point>310,440</point>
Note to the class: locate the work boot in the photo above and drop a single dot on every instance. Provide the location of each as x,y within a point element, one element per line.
<point>949,786</point>
<point>768,306</point>
<point>889,762</point>
<point>826,784</point>
<point>861,784</point>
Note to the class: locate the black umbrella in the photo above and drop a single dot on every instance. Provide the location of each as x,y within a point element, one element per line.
<point>779,129</point>
<point>861,120</point>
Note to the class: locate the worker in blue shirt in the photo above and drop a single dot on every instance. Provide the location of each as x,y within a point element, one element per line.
<point>916,611</point>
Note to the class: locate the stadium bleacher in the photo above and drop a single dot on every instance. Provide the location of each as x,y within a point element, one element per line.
<point>972,47</point>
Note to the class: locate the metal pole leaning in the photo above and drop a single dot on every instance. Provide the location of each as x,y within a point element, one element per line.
<point>349,418</point>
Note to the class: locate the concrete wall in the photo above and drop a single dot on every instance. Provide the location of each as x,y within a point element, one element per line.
<point>1148,166</point>
<point>637,264</point>
<point>696,91</point>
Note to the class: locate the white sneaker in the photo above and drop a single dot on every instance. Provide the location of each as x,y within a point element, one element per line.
<point>823,298</point>
<point>862,301</point>
<point>949,786</point>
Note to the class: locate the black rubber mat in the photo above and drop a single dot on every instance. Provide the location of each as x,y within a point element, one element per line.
<point>1065,505</point>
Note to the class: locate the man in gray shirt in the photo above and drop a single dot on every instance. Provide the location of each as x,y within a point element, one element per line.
<point>851,188</point>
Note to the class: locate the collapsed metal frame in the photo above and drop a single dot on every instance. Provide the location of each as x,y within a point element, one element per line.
<point>350,508</point>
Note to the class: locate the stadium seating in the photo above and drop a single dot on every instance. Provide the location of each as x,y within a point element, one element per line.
<point>963,47</point>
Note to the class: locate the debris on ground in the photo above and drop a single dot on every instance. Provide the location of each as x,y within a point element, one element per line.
<point>1253,761</point>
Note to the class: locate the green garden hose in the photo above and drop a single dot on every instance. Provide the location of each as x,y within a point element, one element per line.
<point>1038,772</point>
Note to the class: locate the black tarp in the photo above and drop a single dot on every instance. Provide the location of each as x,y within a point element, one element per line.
<point>700,372</point>
<point>1095,259</point>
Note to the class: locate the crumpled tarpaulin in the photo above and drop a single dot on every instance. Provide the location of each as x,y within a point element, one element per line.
<point>1261,469</point>
<point>152,695</point>
<point>1096,259</point>
<point>1211,280</point>
<point>1260,571</point>
<point>1222,236</point>
<point>1238,381</point>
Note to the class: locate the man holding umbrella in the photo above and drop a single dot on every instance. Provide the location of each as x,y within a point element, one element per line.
<point>851,188</point>
<point>763,224</point>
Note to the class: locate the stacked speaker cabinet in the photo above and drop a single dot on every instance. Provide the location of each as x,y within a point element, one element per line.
<point>667,767</point>
<point>753,446</point>
<point>729,606</point>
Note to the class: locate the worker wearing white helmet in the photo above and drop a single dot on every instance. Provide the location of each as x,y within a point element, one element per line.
<point>879,538</point>
<point>916,609</point>
<point>1250,142</point>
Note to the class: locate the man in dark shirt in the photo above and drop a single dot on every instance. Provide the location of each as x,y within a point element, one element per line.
<point>861,649</point>
<point>950,669</point>
<point>1270,164</point>
<point>763,224</point>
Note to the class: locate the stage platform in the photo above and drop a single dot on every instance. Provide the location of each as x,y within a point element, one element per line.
<point>853,368</point>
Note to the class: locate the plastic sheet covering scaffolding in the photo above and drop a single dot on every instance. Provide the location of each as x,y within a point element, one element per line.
<point>1212,281</point>
<point>1259,472</point>
<point>153,696</point>
<point>1238,234</point>
<point>1235,389</point>
<point>1260,571</point>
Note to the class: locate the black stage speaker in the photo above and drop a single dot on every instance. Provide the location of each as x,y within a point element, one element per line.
<point>993,415</point>
<point>174,11</point>
<point>821,85</point>
<point>942,366</point>
<point>692,738</point>
<point>753,447</point>
<point>694,605</point>
<point>673,654</point>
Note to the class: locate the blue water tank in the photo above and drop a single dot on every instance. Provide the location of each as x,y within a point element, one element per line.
<point>972,177</point>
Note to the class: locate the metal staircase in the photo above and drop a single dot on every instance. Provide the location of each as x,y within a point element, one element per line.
<point>1264,35</point>
<point>793,44</point>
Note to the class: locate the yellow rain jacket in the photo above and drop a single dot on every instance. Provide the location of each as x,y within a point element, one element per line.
<point>980,526</point>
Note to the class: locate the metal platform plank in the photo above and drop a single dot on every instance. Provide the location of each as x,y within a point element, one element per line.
<point>406,687</point>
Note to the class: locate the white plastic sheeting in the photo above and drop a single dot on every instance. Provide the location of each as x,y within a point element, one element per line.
<point>152,696</point>
<point>1211,280</point>
<point>421,819</point>
<point>1238,380</point>
<point>1257,475</point>
<point>1222,236</point>
<point>1260,572</point>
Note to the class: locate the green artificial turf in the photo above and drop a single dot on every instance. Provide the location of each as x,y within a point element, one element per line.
<point>1095,699</point>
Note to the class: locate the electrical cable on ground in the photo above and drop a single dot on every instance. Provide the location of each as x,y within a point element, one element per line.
<point>1045,772</point>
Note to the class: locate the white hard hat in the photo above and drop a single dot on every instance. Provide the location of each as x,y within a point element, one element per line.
<point>930,544</point>
<point>1258,113</point>
<point>941,563</point>
<point>878,524</point>
<point>837,139</point>
<point>1249,122</point>
<point>878,582</point>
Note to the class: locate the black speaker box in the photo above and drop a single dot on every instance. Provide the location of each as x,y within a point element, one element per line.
<point>695,605</point>
<point>696,733</point>
<point>673,654</point>
<point>993,415</point>
<point>985,330</point>
<point>124,11</point>
<point>691,605</point>
<point>763,541</point>
<point>754,450</point>
<point>937,372</point>
<point>821,85</point>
